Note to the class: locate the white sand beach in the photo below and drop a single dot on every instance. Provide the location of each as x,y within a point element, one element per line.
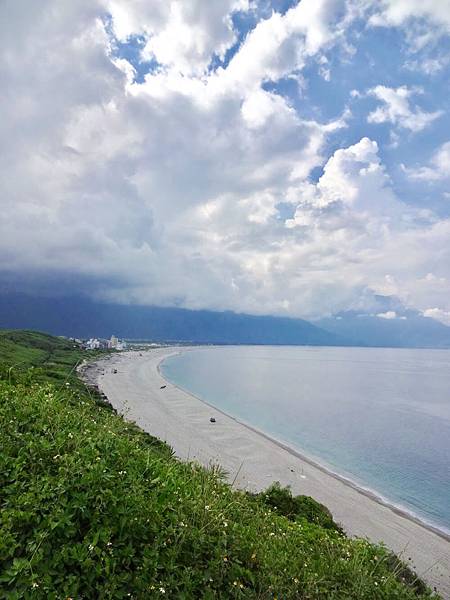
<point>254,460</point>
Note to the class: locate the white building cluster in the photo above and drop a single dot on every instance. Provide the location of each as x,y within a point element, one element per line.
<point>99,344</point>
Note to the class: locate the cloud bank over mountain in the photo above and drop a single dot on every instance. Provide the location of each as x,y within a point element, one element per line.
<point>228,155</point>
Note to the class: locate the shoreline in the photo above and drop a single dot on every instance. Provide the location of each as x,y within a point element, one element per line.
<point>253,459</point>
<point>314,462</point>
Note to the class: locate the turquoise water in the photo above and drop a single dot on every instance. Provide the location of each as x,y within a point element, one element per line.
<point>378,416</point>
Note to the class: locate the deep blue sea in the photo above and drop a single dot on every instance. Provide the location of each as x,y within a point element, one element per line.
<point>378,416</point>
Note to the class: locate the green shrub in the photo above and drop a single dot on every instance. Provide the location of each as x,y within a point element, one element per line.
<point>284,503</point>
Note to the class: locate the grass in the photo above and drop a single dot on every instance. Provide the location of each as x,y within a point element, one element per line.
<point>38,357</point>
<point>92,507</point>
<point>30,348</point>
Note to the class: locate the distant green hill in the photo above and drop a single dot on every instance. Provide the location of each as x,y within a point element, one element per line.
<point>51,358</point>
<point>31,348</point>
<point>92,507</point>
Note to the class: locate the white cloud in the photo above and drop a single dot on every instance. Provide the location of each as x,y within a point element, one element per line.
<point>396,109</point>
<point>354,177</point>
<point>438,314</point>
<point>169,191</point>
<point>438,168</point>
<point>351,175</point>
<point>110,173</point>
<point>389,315</point>
<point>282,44</point>
<point>423,22</point>
<point>259,106</point>
<point>352,224</point>
<point>428,65</point>
<point>398,12</point>
<point>179,35</point>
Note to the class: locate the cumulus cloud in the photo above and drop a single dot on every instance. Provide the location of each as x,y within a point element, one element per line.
<point>195,186</point>
<point>281,44</point>
<point>355,175</point>
<point>104,173</point>
<point>396,109</point>
<point>356,224</point>
<point>183,36</point>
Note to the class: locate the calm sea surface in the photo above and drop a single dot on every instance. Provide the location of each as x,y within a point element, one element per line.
<point>378,416</point>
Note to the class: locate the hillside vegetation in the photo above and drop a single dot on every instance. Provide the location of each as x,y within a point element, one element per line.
<point>39,356</point>
<point>92,507</point>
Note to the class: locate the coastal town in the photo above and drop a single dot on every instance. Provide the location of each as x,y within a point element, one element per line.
<point>114,343</point>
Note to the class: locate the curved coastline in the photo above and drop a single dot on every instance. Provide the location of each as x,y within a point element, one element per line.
<point>314,462</point>
<point>135,386</point>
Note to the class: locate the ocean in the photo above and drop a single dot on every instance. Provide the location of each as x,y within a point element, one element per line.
<point>377,416</point>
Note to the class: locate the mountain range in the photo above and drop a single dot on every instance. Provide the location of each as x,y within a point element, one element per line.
<point>84,318</point>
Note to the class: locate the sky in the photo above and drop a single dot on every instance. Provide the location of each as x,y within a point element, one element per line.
<point>261,156</point>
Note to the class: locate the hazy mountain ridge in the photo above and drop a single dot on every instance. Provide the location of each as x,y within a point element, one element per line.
<point>411,330</point>
<point>84,318</point>
<point>81,317</point>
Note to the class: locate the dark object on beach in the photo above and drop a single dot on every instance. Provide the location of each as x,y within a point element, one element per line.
<point>162,387</point>
<point>114,370</point>
<point>212,419</point>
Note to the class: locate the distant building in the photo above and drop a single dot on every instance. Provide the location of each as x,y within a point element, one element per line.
<point>99,344</point>
<point>93,344</point>
<point>113,342</point>
<point>116,344</point>
<point>121,345</point>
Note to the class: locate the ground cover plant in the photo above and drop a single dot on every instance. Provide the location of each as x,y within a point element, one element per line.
<point>294,508</point>
<point>92,507</point>
<point>38,357</point>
